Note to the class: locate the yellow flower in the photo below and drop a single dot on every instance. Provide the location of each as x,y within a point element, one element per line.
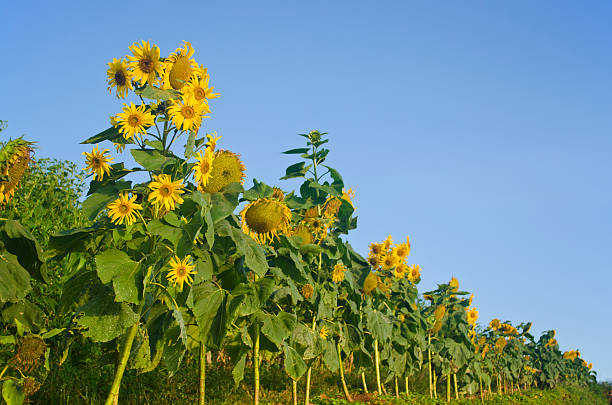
<point>485,350</point>
<point>348,195</point>
<point>203,168</point>
<point>180,271</point>
<point>119,147</point>
<point>391,260</point>
<point>278,194</point>
<point>97,163</point>
<point>200,89</point>
<point>403,249</point>
<point>375,260</point>
<point>376,249</point>
<point>454,283</point>
<point>370,283</point>
<point>16,158</point>
<point>332,206</point>
<point>212,139</point>
<point>500,344</point>
<point>123,209</point>
<point>495,324</point>
<point>187,113</point>
<point>338,273</point>
<point>263,219</point>
<point>472,316</point>
<point>414,273</point>
<point>323,332</point>
<point>388,243</point>
<point>400,270</point>
<point>303,232</point>
<point>119,76</point>
<point>307,291</point>
<point>551,343</point>
<point>179,67</point>
<point>471,299</point>
<point>227,169</point>
<point>133,120</point>
<point>166,193</point>
<point>145,62</point>
<point>482,340</point>
<point>436,328</point>
<point>439,312</point>
<point>402,317</point>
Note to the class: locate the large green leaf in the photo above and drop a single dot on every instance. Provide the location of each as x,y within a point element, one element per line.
<point>155,93</point>
<point>294,364</point>
<point>15,283</point>
<point>73,240</point>
<point>110,134</point>
<point>254,254</point>
<point>27,314</point>
<point>152,159</point>
<point>20,242</point>
<point>104,319</point>
<point>330,356</point>
<point>116,266</point>
<point>12,393</point>
<point>275,330</point>
<point>379,325</point>
<point>168,232</point>
<point>238,370</point>
<point>97,201</point>
<point>207,307</point>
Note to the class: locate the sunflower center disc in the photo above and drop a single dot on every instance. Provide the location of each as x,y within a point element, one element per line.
<point>165,191</point>
<point>188,112</point>
<point>146,65</point>
<point>120,78</point>
<point>133,120</point>
<point>264,217</point>
<point>199,93</point>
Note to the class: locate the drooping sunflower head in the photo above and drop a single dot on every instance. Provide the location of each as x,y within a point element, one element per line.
<point>120,77</point>
<point>145,62</point>
<point>123,209</point>
<point>264,219</point>
<point>304,233</point>
<point>203,168</point>
<point>97,162</point>
<point>414,273</point>
<point>338,273</point>
<point>133,121</point>
<point>15,158</point>
<point>439,312</point>
<point>495,324</point>
<point>30,352</point>
<point>332,206</point>
<point>165,192</point>
<point>500,344</point>
<point>181,271</point>
<point>472,316</point>
<point>454,284</point>
<point>30,386</point>
<point>227,169</point>
<point>179,67</point>
<point>307,291</point>
<point>370,283</point>
<point>187,113</point>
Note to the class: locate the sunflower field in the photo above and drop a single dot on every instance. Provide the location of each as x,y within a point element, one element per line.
<point>175,263</point>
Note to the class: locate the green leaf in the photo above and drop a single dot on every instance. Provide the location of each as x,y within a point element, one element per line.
<point>259,190</point>
<point>225,202</point>
<point>379,325</point>
<point>254,254</point>
<point>330,356</point>
<point>238,370</point>
<point>97,201</point>
<point>20,242</point>
<point>152,159</point>
<point>26,313</point>
<point>190,145</point>
<point>208,301</point>
<point>116,266</point>
<point>153,93</point>
<point>296,170</point>
<point>294,364</point>
<point>110,134</point>
<point>104,319</point>
<point>168,232</point>
<point>296,151</point>
<point>15,283</point>
<point>275,330</point>
<point>12,393</point>
<point>73,240</point>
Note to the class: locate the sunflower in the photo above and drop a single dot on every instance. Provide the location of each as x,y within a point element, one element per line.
<point>401,317</point>
<point>436,328</point>
<point>15,158</point>
<point>200,89</point>
<point>376,249</point>
<point>500,344</point>
<point>187,113</point>
<point>485,350</point>
<point>439,312</point>
<point>30,352</point>
<point>166,193</point>
<point>263,219</point>
<point>495,324</point>
<point>332,206</point>
<point>390,261</point>
<point>133,120</point>
<point>278,194</point>
<point>97,163</point>
<point>307,291</point>
<point>179,67</point>
<point>472,316</point>
<point>304,234</point>
<point>348,195</point>
<point>403,249</point>
<point>400,270</point>
<point>454,284</point>
<point>119,76</point>
<point>551,343</point>
<point>482,340</point>
<point>324,332</point>
<point>180,271</point>
<point>470,300</point>
<point>370,283</point>
<point>338,273</point>
<point>374,260</point>
<point>123,209</point>
<point>145,62</point>
<point>388,243</point>
<point>227,169</point>
<point>211,140</point>
<point>414,273</point>
<point>203,168</point>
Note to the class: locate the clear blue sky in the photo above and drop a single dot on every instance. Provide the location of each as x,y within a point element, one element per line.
<point>481,129</point>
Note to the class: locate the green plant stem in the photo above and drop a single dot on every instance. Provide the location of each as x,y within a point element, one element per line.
<point>309,372</point>
<point>113,395</point>
<point>480,382</point>
<point>377,366</point>
<point>448,387</point>
<point>455,383</point>
<point>429,366</point>
<point>363,381</point>
<point>294,391</point>
<point>3,371</point>
<point>435,384</point>
<point>341,367</point>
<point>202,374</point>
<point>396,388</point>
<point>406,383</point>
<point>256,365</point>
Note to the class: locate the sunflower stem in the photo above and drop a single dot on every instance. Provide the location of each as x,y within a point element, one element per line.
<point>294,391</point>
<point>406,383</point>
<point>448,387</point>
<point>113,395</point>
<point>377,366</point>
<point>363,381</point>
<point>396,388</point>
<point>309,373</point>
<point>256,365</point>
<point>202,374</point>
<point>455,383</point>
<point>4,370</point>
<point>429,366</point>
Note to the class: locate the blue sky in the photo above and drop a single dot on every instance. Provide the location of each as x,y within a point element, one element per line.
<point>482,130</point>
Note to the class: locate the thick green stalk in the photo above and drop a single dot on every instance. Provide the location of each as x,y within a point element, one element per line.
<point>309,373</point>
<point>377,366</point>
<point>396,389</point>
<point>406,382</point>
<point>429,365</point>
<point>4,370</point>
<point>202,374</point>
<point>448,387</point>
<point>256,365</point>
<point>480,381</point>
<point>341,367</point>
<point>363,381</point>
<point>435,384</point>
<point>113,395</point>
<point>455,382</point>
<point>295,398</point>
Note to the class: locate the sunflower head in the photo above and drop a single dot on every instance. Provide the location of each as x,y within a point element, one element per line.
<point>454,284</point>
<point>145,63</point>
<point>388,243</point>
<point>123,209</point>
<point>278,194</point>
<point>179,67</point>
<point>30,386</point>
<point>29,353</point>
<point>307,291</point>
<point>203,168</point>
<point>377,249</point>
<point>165,192</point>
<point>120,77</point>
<point>227,169</point>
<point>403,249</point>
<point>133,120</point>
<point>324,332</point>
<point>98,163</point>
<point>264,219</point>
<point>500,344</point>
<point>187,113</point>
<point>439,312</point>
<point>375,261</point>
<point>436,327</point>
<point>370,283</point>
<point>304,233</point>
<point>15,158</point>
<point>332,206</point>
<point>472,316</point>
<point>349,196</point>
<point>495,324</point>
<point>400,270</point>
<point>181,271</point>
<point>414,273</point>
<point>338,273</point>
